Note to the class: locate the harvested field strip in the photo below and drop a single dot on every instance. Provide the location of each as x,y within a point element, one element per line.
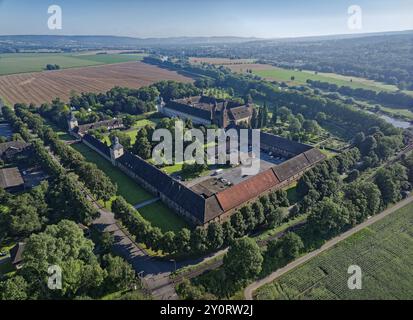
<point>41,87</point>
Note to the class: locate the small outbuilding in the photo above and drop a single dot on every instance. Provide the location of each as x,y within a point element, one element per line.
<point>11,180</point>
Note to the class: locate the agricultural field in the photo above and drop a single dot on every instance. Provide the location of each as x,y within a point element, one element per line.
<point>157,213</point>
<point>383,251</point>
<point>41,87</point>
<point>300,77</point>
<point>11,63</point>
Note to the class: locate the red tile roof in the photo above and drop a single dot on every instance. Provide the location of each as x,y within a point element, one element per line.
<point>247,190</point>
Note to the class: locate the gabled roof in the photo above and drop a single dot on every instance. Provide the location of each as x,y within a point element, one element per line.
<point>246,190</point>
<point>10,177</point>
<point>291,167</point>
<point>188,109</point>
<point>20,145</point>
<point>283,143</point>
<point>16,253</point>
<point>97,144</point>
<point>173,189</point>
<point>105,123</point>
<point>314,155</point>
<point>238,113</point>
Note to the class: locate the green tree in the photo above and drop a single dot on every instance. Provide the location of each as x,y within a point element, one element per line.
<point>142,146</point>
<point>63,245</point>
<point>120,274</point>
<point>328,217</point>
<point>199,241</point>
<point>243,260</point>
<point>182,240</point>
<point>14,288</point>
<point>215,235</point>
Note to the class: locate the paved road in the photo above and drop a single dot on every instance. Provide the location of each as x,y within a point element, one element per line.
<point>248,292</point>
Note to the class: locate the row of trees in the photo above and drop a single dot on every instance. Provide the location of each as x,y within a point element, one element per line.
<point>264,212</point>
<point>375,147</point>
<point>244,262</point>
<point>65,196</point>
<point>396,99</point>
<point>61,243</point>
<point>94,179</point>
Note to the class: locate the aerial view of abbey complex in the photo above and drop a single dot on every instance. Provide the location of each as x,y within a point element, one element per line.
<point>162,152</point>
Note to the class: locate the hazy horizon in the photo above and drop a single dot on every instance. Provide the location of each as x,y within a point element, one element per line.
<point>213,18</point>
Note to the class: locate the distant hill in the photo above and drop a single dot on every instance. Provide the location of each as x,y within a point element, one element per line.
<point>24,42</point>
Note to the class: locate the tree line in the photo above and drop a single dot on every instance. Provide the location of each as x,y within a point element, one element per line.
<point>265,212</point>
<point>394,99</point>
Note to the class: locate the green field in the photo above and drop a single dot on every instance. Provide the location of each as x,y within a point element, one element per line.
<point>300,77</point>
<point>160,216</point>
<point>157,213</point>
<point>33,62</point>
<point>127,187</point>
<point>384,252</point>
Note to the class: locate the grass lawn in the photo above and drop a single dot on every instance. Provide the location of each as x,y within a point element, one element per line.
<point>383,251</point>
<point>133,132</point>
<point>161,216</point>
<point>157,213</point>
<point>292,194</point>
<point>300,77</point>
<point>173,168</point>
<point>127,187</point>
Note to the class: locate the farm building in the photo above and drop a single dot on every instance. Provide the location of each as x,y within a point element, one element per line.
<point>206,111</point>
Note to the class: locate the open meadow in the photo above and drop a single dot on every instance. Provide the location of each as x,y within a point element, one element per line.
<point>383,251</point>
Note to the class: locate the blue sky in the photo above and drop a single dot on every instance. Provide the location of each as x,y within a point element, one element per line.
<point>165,18</point>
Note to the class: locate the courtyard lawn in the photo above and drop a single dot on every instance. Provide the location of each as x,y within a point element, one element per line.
<point>127,187</point>
<point>157,213</point>
<point>383,251</point>
<point>161,216</point>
